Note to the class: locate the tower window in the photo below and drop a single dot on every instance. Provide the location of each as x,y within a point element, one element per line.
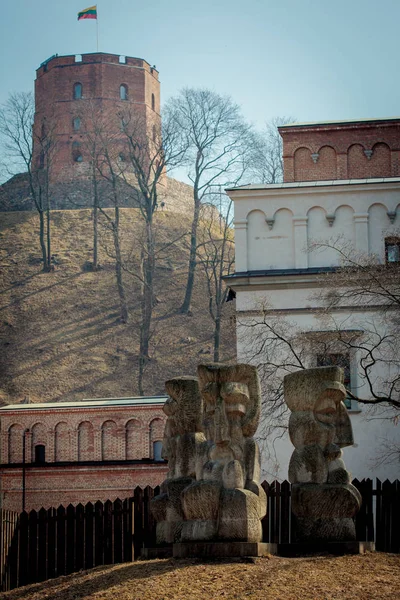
<point>76,123</point>
<point>77,91</point>
<point>123,91</point>
<point>392,250</point>
<point>153,102</point>
<point>154,133</point>
<point>76,152</point>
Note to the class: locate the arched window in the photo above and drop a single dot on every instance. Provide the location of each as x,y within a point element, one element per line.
<point>123,91</point>
<point>122,124</point>
<point>154,133</point>
<point>153,102</point>
<point>76,152</point>
<point>40,454</point>
<point>77,91</point>
<point>157,450</point>
<point>76,123</point>
<point>121,157</point>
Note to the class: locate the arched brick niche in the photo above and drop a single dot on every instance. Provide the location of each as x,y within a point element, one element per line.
<point>15,443</point>
<point>380,161</point>
<point>367,163</point>
<point>85,441</point>
<point>133,440</point>
<point>312,166</point>
<point>109,441</point>
<point>61,442</point>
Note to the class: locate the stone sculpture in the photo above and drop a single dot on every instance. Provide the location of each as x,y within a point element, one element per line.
<point>212,492</point>
<point>183,433</point>
<point>226,502</point>
<point>323,499</point>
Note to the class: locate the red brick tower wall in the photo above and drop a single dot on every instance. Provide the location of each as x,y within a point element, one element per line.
<point>359,150</point>
<point>100,76</point>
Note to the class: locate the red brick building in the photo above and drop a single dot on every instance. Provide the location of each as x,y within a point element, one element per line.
<point>61,453</point>
<point>362,149</point>
<point>68,87</point>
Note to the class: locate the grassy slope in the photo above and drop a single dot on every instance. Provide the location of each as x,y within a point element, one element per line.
<point>60,334</point>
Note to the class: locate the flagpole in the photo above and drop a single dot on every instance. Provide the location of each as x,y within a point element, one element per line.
<point>97,26</point>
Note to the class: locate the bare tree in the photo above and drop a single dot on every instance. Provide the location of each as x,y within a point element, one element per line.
<point>218,143</point>
<point>267,160</point>
<point>216,255</point>
<point>103,143</point>
<point>94,124</point>
<point>23,144</point>
<point>148,149</point>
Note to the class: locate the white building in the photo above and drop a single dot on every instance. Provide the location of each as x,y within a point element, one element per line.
<point>280,279</point>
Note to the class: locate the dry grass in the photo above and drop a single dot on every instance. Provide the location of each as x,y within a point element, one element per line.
<point>322,578</point>
<point>60,334</point>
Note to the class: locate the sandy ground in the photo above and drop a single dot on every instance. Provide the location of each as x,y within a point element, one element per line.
<point>374,575</point>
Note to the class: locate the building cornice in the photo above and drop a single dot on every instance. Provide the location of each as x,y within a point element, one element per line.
<point>314,187</point>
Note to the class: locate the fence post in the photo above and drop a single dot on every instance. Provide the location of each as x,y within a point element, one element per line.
<point>80,537</point>
<point>89,538</point>
<point>285,512</point>
<point>265,521</point>
<point>118,533</point>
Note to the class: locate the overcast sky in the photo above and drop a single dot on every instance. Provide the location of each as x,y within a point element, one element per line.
<point>314,59</point>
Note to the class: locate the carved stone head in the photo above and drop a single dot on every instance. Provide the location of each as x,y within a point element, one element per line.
<point>184,407</point>
<point>232,401</point>
<point>319,416</point>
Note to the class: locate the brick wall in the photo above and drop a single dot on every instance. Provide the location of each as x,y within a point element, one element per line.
<point>52,485</point>
<point>77,434</point>
<point>359,150</point>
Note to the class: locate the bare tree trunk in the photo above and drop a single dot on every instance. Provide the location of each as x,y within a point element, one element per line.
<point>141,375</point>
<point>186,306</point>
<point>118,269</point>
<point>42,241</point>
<point>147,268</point>
<point>217,336</point>
<point>95,220</point>
<point>48,234</point>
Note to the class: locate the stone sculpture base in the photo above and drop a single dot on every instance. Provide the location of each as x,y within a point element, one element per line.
<point>160,552</point>
<point>222,549</point>
<point>338,548</point>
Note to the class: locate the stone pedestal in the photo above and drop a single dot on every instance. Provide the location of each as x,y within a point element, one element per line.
<point>338,548</point>
<point>161,552</point>
<point>222,549</point>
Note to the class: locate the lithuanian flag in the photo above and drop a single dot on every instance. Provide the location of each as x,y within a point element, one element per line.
<point>88,13</point>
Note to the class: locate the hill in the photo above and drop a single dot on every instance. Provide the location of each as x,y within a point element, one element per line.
<point>361,577</point>
<point>60,334</point>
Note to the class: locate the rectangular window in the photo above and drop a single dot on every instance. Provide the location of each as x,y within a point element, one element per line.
<point>338,360</point>
<point>392,250</point>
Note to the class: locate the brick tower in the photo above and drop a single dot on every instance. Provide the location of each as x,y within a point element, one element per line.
<point>63,87</point>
